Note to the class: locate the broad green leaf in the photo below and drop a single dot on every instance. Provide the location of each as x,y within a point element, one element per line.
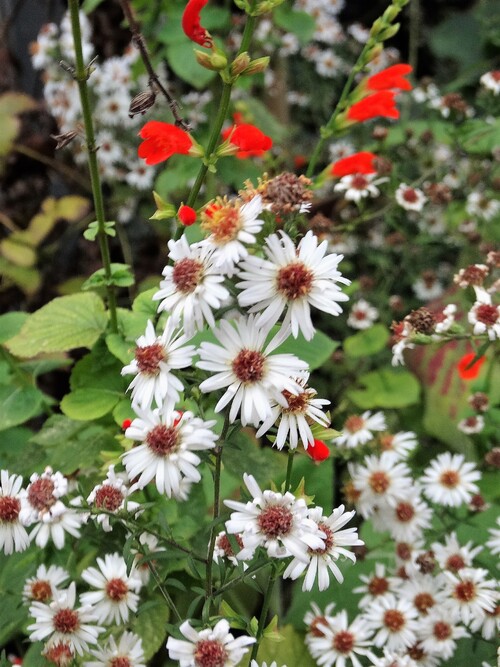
<point>235,172</point>
<point>300,24</point>
<point>65,323</point>
<point>368,342</point>
<point>10,105</point>
<point>19,404</point>
<point>120,348</point>
<point>132,323</point>
<point>17,249</point>
<point>98,370</point>
<point>26,278</point>
<point>88,404</point>
<point>150,625</point>
<point>180,169</point>
<point>18,454</point>
<point>290,650</point>
<point>386,388</point>
<point>14,570</point>
<point>182,60</point>
<point>315,352</point>
<point>143,303</point>
<point>10,324</point>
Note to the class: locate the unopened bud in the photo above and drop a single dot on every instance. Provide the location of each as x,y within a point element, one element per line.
<point>374,52</point>
<point>390,13</point>
<point>257,66</point>
<point>142,103</point>
<point>389,32</point>
<point>240,63</point>
<point>212,61</point>
<point>63,139</point>
<point>377,26</point>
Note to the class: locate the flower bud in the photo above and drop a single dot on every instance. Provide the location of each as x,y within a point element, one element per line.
<point>213,61</point>
<point>389,32</point>
<point>240,64</point>
<point>142,103</point>
<point>390,13</point>
<point>257,66</point>
<point>186,215</point>
<point>64,139</point>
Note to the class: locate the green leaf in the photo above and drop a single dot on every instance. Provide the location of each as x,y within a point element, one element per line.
<point>315,352</point>
<point>120,348</point>
<point>10,324</point>
<point>386,388</point>
<point>88,404</point>
<point>300,24</point>
<point>121,276</point>
<point>98,370</point>
<point>478,136</point>
<point>65,323</point>
<point>18,454</point>
<point>290,650</point>
<point>179,170</point>
<point>18,405</point>
<point>132,323</point>
<point>26,278</point>
<point>143,303</point>
<point>10,105</point>
<point>181,59</point>
<point>16,248</point>
<point>150,626</point>
<point>368,342</point>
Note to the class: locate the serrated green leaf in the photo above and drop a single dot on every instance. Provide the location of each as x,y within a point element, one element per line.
<point>182,60</point>
<point>88,404</point>
<point>26,278</point>
<point>98,370</point>
<point>19,404</point>
<point>143,303</point>
<point>367,342</point>
<point>65,323</point>
<point>386,388</point>
<point>150,625</point>
<point>10,324</point>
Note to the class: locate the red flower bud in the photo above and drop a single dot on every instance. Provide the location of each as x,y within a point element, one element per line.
<point>391,78</point>
<point>381,103</point>
<point>465,370</point>
<point>318,451</point>
<point>359,163</point>
<point>186,215</point>
<point>248,139</point>
<point>191,24</point>
<point>126,423</point>
<point>161,141</point>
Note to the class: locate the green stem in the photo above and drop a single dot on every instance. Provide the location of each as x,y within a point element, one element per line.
<point>81,75</point>
<point>237,580</point>
<point>288,481</point>
<point>163,591</point>
<point>263,614</point>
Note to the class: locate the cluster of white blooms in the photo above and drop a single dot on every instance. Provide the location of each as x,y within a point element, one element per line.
<point>112,86</point>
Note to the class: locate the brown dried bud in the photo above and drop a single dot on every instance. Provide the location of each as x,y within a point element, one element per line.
<point>63,139</point>
<point>493,458</point>
<point>422,321</point>
<point>427,137</point>
<point>366,282</point>
<point>493,258</point>
<point>396,303</point>
<point>438,193</point>
<point>426,562</point>
<point>477,503</point>
<point>454,102</point>
<point>479,402</point>
<point>380,132</point>
<point>474,274</point>
<point>320,224</point>
<point>383,165</point>
<point>495,183</point>
<point>360,552</point>
<point>142,103</point>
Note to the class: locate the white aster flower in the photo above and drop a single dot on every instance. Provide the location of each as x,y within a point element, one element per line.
<point>375,586</point>
<point>359,186</point>
<point>489,626</point>
<point>394,621</point>
<point>45,584</point>
<point>278,522</point>
<point>484,316</point>
<point>322,560</point>
<point>117,595</point>
<point>139,175</point>
<point>393,659</point>
<point>232,226</point>
<point>13,535</point>
<point>155,358</point>
<point>127,652</point>
<point>471,425</point>
<point>471,594</point>
<point>452,555</point>
<point>292,279</point>
<point>411,199</point>
<point>358,430</point>
<point>317,620</point>
<point>362,315</point>
<point>295,420</point>
<point>427,287</point>
<point>448,319</point>
<point>61,623</point>
<point>481,206</point>
<point>167,455</point>
<point>244,364</point>
<point>401,443</point>
<point>406,517</point>
<point>208,647</point>
<point>340,642</point>
<point>192,287</point>
<point>223,548</point>
<point>425,592</point>
<point>493,543</point>
<point>112,496</point>
<point>438,632</point>
<point>491,81</point>
<point>449,480</point>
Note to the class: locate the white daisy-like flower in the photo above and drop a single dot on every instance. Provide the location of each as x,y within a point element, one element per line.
<point>482,206</point>
<point>45,584</point>
<point>292,279</point>
<point>359,186</point>
<point>167,455</point>
<point>471,425</point>
<point>317,620</point>
<point>375,586</point>
<point>127,652</point>
<point>449,480</point>
<point>382,481</point>
<point>491,81</point>
<point>109,150</point>
<point>340,642</point>
<point>439,631</point>
<point>406,518</point>
<point>295,420</point>
<point>254,663</point>
<point>278,522</point>
<point>393,659</point>
<point>452,555</point>
<point>493,543</point>
<point>192,287</point>
<point>322,560</point>
<point>447,318</point>
<point>117,591</point>
<point>411,199</point>
<point>208,648</point>
<point>43,507</point>
<point>232,226</point>
<point>362,315</point>
<point>471,594</point>
<point>484,316</point>
<point>112,496</point>
<point>155,358</point>
<point>60,623</point>
<point>425,592</point>
<point>139,175</point>
<point>394,621</point>
<point>401,443</point>
<point>13,535</point>
<point>489,626</point>
<point>427,287</point>
<point>359,429</point>
<point>244,364</point>
<point>223,548</point>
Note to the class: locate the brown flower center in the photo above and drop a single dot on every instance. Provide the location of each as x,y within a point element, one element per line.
<point>379,481</point>
<point>403,550</point>
<point>487,314</point>
<point>410,195</point>
<point>450,478</point>
<point>275,521</point>
<point>148,358</point>
<point>223,221</point>
<point>386,441</point>
<point>354,423</point>
<point>108,497</point>
<point>343,641</point>
<point>359,182</point>
<point>455,562</point>
<point>294,281</point>
<point>405,512</point>
<point>120,661</point>
<point>394,620</point>
<point>116,589</point>
<point>224,544</point>
<point>60,654</point>
<point>423,602</point>
<point>40,494</point>
<point>66,621</point>
<point>210,653</point>
<point>187,274</point>
<point>465,591</point>
<point>163,440</point>
<point>248,366</point>
<point>378,586</point>
<point>442,630</point>
<point>328,540</point>
<point>9,509</point>
<point>314,629</point>
<point>41,591</point>
<point>296,404</point>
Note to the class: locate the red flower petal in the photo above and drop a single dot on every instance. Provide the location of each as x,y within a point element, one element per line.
<point>126,423</point>
<point>318,451</point>
<point>191,23</point>
<point>474,370</point>
<point>186,215</point>
<point>391,78</point>
<point>359,163</point>
<point>161,141</point>
<point>249,139</point>
<point>381,103</point>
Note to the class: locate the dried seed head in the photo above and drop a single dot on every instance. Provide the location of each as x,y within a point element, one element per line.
<point>142,103</point>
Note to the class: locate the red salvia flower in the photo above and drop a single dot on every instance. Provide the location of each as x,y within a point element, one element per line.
<point>382,103</point>
<point>392,78</point>
<point>318,451</point>
<point>359,163</point>
<point>191,24</point>
<point>161,141</point>
<point>465,370</point>
<point>186,215</point>
<point>250,141</point>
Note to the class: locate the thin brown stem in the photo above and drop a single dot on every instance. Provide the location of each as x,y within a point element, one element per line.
<point>62,169</point>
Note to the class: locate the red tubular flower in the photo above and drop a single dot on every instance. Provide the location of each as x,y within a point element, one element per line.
<point>191,24</point>
<point>161,141</point>
<point>471,373</point>
<point>391,78</point>
<point>250,141</point>
<point>382,103</point>
<point>359,163</point>
<point>318,451</point>
<point>186,215</point>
